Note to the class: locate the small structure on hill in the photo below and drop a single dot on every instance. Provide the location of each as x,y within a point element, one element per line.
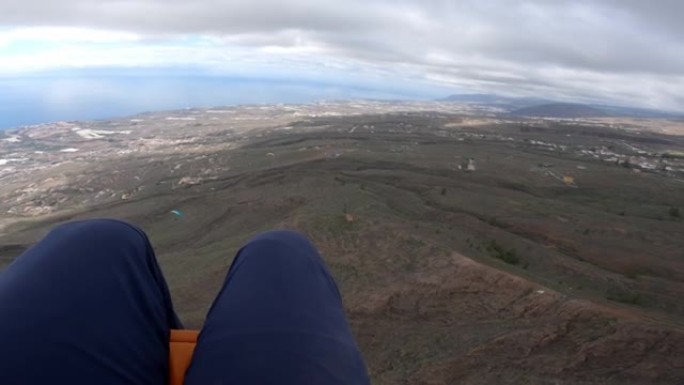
<point>468,165</point>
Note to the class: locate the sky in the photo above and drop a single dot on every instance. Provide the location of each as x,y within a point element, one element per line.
<point>86,57</point>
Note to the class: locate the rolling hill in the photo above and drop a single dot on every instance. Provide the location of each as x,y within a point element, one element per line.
<point>560,110</point>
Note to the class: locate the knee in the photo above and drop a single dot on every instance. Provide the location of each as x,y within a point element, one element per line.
<point>283,242</point>
<point>99,235</point>
<point>284,239</point>
<point>100,229</point>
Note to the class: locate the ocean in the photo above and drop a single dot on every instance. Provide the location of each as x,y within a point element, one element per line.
<point>47,98</point>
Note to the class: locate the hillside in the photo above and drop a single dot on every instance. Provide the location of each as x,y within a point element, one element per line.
<point>560,110</point>
<point>469,250</point>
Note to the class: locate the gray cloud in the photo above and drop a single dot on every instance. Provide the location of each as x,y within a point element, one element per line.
<point>626,50</point>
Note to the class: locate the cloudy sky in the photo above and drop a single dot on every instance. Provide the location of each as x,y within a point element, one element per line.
<point>624,51</point>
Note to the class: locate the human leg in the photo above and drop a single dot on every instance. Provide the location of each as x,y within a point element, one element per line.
<point>277,320</point>
<point>86,305</point>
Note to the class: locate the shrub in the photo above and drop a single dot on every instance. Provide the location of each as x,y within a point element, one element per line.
<point>624,296</point>
<point>509,256</point>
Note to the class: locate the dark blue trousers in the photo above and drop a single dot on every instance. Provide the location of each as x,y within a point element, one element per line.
<point>88,305</point>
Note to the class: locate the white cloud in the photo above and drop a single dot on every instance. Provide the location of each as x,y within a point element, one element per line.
<point>628,51</point>
<point>63,35</point>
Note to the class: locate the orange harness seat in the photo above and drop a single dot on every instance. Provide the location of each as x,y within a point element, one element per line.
<point>181,347</point>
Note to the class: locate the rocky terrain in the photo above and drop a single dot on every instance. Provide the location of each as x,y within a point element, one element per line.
<point>471,246</point>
